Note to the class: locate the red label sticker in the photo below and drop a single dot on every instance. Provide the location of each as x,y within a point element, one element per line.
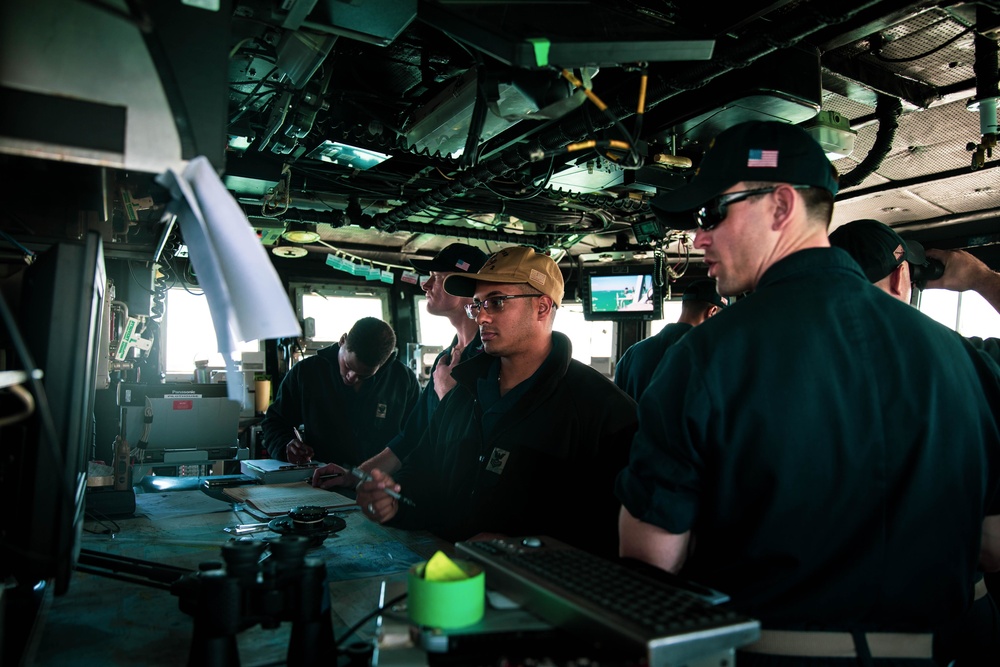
<point>183,405</point>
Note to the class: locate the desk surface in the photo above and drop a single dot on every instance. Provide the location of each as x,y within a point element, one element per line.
<point>109,622</point>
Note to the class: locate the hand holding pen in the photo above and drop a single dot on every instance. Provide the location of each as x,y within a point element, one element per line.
<point>329,476</point>
<point>297,451</point>
<point>377,496</point>
<point>363,476</point>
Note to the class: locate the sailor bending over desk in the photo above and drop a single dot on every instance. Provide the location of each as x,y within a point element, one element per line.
<point>352,398</point>
<point>530,440</point>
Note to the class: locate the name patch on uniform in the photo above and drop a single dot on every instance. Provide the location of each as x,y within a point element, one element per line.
<point>498,459</point>
<point>381,410</point>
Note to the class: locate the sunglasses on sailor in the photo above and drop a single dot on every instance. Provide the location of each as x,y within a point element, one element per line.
<point>711,215</point>
<point>492,304</point>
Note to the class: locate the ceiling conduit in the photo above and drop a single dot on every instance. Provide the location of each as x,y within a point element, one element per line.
<point>795,27</point>
<point>887,111</point>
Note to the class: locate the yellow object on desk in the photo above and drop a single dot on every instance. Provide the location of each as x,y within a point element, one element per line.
<point>442,568</point>
<point>446,593</point>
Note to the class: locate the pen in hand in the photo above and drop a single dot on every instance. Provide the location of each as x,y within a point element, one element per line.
<point>366,477</point>
<point>298,452</point>
<point>322,477</point>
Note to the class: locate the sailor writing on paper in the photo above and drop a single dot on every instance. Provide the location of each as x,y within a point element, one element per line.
<point>352,398</point>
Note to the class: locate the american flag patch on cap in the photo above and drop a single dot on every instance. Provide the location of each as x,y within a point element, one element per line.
<point>462,265</point>
<point>762,158</point>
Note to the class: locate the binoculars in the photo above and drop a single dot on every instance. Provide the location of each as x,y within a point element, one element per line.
<point>245,590</point>
<point>931,269</point>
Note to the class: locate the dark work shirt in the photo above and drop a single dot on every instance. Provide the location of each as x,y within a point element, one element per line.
<point>342,425</point>
<point>636,367</point>
<point>417,423</point>
<point>831,449</point>
<point>547,467</point>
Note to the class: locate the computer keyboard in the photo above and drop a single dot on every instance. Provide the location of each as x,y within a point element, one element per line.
<point>578,591</point>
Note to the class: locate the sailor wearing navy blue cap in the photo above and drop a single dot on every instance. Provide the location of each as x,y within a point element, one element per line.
<point>452,259</point>
<point>783,456</point>
<point>891,263</point>
<point>636,367</point>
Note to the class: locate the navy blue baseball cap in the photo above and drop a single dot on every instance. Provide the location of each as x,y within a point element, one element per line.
<point>876,247</point>
<point>455,258</point>
<point>769,151</point>
<point>704,289</point>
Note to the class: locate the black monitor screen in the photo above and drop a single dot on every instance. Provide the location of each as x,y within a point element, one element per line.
<point>46,449</point>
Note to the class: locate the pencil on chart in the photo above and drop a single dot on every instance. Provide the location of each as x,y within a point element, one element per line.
<point>322,477</point>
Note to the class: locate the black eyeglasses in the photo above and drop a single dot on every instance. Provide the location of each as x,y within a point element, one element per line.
<point>709,216</point>
<point>493,304</point>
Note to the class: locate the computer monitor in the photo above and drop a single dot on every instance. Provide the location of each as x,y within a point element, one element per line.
<point>620,293</point>
<point>43,469</point>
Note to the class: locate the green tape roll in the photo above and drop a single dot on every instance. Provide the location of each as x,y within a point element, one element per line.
<point>446,604</point>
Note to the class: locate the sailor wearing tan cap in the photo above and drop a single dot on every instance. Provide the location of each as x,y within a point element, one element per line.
<point>530,440</point>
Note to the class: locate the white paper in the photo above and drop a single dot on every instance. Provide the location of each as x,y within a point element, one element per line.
<point>245,295</point>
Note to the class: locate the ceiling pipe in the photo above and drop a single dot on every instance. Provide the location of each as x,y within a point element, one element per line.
<point>471,233</point>
<point>887,112</point>
<point>987,85</point>
<point>796,26</point>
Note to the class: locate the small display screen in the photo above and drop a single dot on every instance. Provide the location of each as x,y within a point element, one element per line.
<point>622,293</point>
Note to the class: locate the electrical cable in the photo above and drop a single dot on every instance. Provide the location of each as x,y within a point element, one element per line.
<point>160,287</point>
<point>29,256</point>
<point>239,45</point>
<point>136,280</point>
<point>367,617</point>
<point>536,189</point>
<point>362,260</point>
<point>629,143</point>
<point>243,104</point>
<point>103,520</point>
<point>26,400</point>
<point>877,52</point>
<point>640,109</point>
<point>802,24</point>
<point>61,471</point>
<point>139,451</point>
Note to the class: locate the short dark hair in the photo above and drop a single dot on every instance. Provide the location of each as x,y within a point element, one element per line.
<point>371,340</point>
<point>819,204</point>
<point>694,307</point>
<point>818,201</point>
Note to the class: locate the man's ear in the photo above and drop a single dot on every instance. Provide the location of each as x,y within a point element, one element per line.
<point>545,305</point>
<point>343,340</point>
<point>784,204</point>
<point>899,280</point>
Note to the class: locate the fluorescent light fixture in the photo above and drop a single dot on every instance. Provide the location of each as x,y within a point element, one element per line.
<point>346,155</point>
<point>238,143</point>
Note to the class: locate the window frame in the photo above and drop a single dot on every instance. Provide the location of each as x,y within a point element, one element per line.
<point>174,375</point>
<point>337,290</point>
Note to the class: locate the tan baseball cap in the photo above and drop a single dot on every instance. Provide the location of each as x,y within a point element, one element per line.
<point>516,265</point>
